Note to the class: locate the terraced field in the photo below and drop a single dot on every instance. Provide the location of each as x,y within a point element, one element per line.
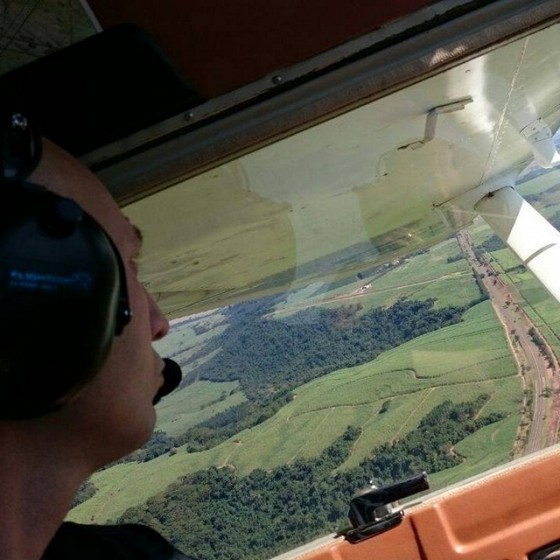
<point>202,400</point>
<point>411,379</point>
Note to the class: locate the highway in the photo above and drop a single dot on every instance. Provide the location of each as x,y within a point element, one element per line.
<point>538,372</point>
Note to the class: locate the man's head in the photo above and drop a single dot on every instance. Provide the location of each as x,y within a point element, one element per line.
<point>113,414</point>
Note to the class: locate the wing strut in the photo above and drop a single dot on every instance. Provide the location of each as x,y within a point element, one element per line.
<point>531,237</point>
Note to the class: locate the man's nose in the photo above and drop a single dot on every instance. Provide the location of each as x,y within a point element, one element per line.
<point>158,321</point>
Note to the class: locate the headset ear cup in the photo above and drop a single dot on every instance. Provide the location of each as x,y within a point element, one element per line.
<point>63,298</point>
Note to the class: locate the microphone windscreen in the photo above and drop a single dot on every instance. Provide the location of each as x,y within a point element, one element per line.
<point>172,376</point>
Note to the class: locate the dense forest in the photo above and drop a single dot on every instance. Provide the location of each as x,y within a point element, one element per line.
<point>493,243</point>
<point>267,355</point>
<point>271,357</point>
<point>217,515</point>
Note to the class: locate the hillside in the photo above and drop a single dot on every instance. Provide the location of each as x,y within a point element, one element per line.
<point>293,504</point>
<point>274,386</point>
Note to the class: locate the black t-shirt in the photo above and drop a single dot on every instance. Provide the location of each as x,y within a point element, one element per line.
<point>110,542</point>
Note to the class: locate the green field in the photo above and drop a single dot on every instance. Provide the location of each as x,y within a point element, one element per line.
<point>546,181</point>
<point>182,343</point>
<point>386,398</point>
<point>195,403</point>
<point>485,449</point>
<point>424,276</point>
<point>458,363</point>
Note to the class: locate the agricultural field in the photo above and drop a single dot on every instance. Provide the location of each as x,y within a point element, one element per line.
<point>547,181</point>
<point>385,398</point>
<point>484,449</point>
<point>185,408</point>
<point>382,402</point>
<point>188,336</point>
<point>407,381</point>
<point>427,275</point>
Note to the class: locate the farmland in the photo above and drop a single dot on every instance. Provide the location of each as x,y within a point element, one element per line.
<point>413,378</point>
<point>384,399</point>
<point>425,275</point>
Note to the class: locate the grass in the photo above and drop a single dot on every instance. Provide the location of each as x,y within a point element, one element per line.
<point>323,408</point>
<point>427,275</point>
<point>424,276</point>
<point>195,403</point>
<point>484,450</point>
<point>458,363</point>
<point>458,351</point>
<point>182,340</point>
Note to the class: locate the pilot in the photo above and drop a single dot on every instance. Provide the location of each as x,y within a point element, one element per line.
<point>48,450</point>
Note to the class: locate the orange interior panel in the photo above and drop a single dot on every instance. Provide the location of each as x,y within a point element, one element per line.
<point>505,515</point>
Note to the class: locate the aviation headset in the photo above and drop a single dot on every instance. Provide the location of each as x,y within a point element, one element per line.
<point>63,291</point>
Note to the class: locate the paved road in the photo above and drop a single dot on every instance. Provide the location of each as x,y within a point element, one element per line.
<point>532,364</point>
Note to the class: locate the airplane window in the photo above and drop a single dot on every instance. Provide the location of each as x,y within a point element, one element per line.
<point>343,316</point>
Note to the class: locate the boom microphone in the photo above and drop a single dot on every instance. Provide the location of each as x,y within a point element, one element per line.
<point>172,376</point>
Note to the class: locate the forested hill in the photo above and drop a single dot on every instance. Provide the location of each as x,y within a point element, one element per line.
<point>268,355</point>
<point>217,515</point>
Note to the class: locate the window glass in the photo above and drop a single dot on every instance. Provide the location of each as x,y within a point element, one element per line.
<point>334,329</point>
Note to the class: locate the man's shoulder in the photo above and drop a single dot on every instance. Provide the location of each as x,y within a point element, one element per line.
<point>110,542</point>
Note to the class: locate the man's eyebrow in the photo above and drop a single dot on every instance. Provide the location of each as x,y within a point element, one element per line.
<point>137,236</point>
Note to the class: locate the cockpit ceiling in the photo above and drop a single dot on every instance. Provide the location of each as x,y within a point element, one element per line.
<point>353,192</point>
<point>340,64</point>
<point>219,45</point>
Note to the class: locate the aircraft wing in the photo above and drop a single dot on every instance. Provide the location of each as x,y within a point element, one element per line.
<point>341,162</point>
<point>350,193</point>
<point>354,192</point>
